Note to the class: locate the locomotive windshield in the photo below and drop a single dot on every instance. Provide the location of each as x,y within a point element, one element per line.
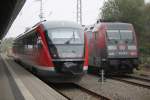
<point>126,34</point>
<point>66,36</point>
<point>113,34</point>
<point>119,34</point>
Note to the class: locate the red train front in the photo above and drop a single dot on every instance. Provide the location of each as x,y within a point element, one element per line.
<point>55,50</point>
<point>113,47</point>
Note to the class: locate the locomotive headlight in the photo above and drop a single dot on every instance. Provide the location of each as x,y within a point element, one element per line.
<point>112,47</point>
<point>111,53</point>
<point>132,47</point>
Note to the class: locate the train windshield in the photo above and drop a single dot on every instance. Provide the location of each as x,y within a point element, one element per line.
<point>66,36</point>
<point>119,34</point>
<point>113,34</point>
<point>126,34</point>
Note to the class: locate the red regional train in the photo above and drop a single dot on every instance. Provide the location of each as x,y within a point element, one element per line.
<point>56,50</point>
<point>112,47</point>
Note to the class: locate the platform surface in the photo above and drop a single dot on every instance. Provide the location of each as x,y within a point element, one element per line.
<point>16,83</point>
<point>6,92</point>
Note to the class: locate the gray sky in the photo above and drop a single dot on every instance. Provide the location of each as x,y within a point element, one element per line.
<point>54,10</point>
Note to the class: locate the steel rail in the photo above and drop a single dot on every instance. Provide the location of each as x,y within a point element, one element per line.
<point>130,81</point>
<point>91,92</point>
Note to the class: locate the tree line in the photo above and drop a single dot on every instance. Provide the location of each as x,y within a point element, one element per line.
<point>6,45</point>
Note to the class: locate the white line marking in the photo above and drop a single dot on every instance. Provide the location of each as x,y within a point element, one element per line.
<point>24,91</point>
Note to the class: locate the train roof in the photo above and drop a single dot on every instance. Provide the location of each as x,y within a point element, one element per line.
<point>116,23</point>
<point>113,25</point>
<point>52,24</point>
<point>61,24</point>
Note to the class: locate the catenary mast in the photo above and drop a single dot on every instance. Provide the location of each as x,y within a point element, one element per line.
<point>79,12</point>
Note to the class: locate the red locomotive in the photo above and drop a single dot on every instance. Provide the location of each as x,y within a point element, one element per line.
<point>113,47</point>
<point>54,49</point>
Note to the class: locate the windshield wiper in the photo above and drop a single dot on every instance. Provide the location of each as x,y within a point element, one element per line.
<point>68,41</point>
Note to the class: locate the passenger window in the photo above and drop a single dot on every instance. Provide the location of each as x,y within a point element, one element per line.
<point>30,41</point>
<point>39,42</point>
<point>35,38</point>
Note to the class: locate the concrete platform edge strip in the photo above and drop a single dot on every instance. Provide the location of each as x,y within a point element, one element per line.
<point>23,90</point>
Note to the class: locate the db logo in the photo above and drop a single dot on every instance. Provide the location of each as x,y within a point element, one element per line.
<point>122,47</point>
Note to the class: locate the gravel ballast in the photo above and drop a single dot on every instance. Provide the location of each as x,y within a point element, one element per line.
<point>115,90</point>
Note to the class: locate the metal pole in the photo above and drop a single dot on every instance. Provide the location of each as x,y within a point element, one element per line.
<point>102,66</point>
<point>41,10</point>
<point>102,76</point>
<point>79,12</point>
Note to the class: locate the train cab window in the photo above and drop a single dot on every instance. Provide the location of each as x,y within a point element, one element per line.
<point>126,34</point>
<point>113,34</point>
<point>65,36</point>
<point>120,34</point>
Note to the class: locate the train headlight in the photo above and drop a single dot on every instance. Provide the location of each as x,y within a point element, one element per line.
<point>111,54</point>
<point>112,47</point>
<point>132,47</point>
<point>133,53</point>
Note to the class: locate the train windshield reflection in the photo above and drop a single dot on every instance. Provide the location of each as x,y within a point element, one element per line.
<point>113,34</point>
<point>126,34</point>
<point>66,36</point>
<point>120,34</point>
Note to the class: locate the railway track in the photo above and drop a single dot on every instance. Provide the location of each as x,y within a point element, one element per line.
<point>91,92</point>
<point>134,80</point>
<point>63,94</point>
<point>62,88</point>
<point>74,91</point>
<point>139,77</point>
